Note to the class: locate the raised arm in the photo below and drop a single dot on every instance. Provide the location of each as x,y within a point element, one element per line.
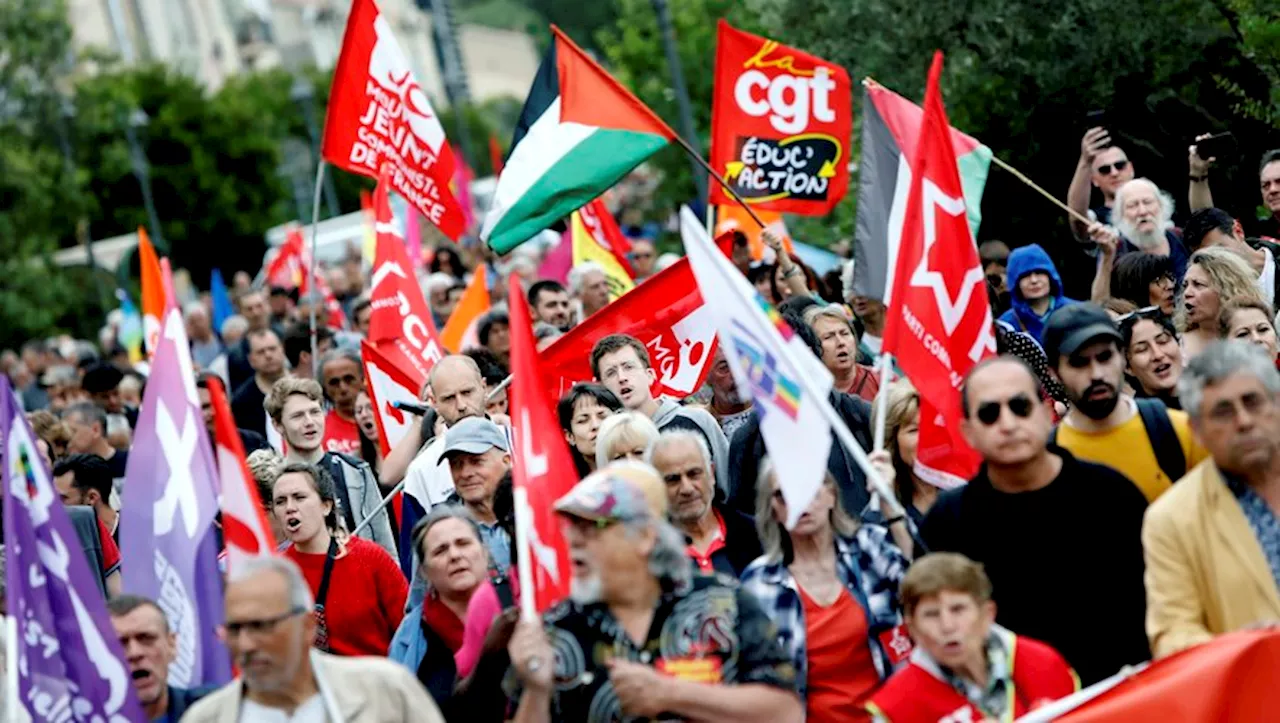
<point>792,275</point>
<point>1198,195</point>
<point>1094,140</point>
<point>1107,241</point>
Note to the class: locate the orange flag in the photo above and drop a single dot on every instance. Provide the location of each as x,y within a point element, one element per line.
<point>473,304</point>
<point>153,293</point>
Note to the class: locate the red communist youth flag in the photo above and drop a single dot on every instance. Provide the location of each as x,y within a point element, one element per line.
<point>939,322</point>
<point>542,470</point>
<point>665,313</point>
<point>401,324</point>
<point>378,115</point>
<point>244,523</point>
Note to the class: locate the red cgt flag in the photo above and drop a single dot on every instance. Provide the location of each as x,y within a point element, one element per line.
<point>665,313</point>
<point>542,470</point>
<point>401,322</point>
<point>939,322</point>
<point>379,115</point>
<point>244,522</point>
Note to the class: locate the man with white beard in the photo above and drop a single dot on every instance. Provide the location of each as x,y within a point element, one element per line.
<point>641,635</point>
<point>1143,222</point>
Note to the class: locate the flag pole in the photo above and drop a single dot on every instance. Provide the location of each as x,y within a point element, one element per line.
<point>882,400</point>
<point>12,689</point>
<point>315,232</point>
<point>524,570</point>
<point>719,179</point>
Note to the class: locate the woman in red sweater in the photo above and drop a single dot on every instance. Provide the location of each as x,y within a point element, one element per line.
<point>359,590</point>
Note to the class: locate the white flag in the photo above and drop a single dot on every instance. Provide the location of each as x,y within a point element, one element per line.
<point>788,385</point>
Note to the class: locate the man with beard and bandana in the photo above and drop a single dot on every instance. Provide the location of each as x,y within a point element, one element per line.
<point>1142,221</point>
<point>1140,438</point>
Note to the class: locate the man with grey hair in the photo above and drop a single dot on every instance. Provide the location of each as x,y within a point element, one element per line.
<point>270,630</point>
<point>1142,221</point>
<point>641,636</point>
<point>719,538</point>
<point>205,345</point>
<point>1212,542</point>
<point>88,424</point>
<point>589,286</point>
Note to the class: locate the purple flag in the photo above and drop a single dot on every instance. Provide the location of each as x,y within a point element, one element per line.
<point>167,542</point>
<point>70,665</point>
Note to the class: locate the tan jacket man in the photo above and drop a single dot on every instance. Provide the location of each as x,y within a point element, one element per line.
<point>1206,573</point>
<point>364,689</point>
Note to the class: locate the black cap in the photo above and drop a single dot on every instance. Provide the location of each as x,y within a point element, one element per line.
<point>101,378</point>
<point>1075,325</point>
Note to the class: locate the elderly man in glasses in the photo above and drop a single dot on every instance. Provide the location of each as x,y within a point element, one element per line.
<point>270,628</point>
<point>1104,166</point>
<point>1056,535</point>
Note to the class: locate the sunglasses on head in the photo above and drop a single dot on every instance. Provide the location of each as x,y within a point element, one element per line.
<point>1105,170</point>
<point>989,412</point>
<point>1146,312</point>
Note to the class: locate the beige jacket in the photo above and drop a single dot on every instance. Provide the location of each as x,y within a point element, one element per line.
<point>365,690</point>
<point>1206,573</point>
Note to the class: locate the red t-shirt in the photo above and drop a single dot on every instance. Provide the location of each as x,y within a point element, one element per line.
<point>341,435</point>
<point>110,550</point>
<point>366,596</point>
<point>841,673</point>
<point>704,561</point>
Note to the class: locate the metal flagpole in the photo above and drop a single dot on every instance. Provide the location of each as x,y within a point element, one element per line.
<point>311,281</point>
<point>882,400</point>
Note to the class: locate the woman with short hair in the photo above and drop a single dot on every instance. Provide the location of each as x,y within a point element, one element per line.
<point>1249,320</point>
<point>964,666</point>
<point>582,411</point>
<point>625,435</point>
<point>359,590</point>
<point>840,351</point>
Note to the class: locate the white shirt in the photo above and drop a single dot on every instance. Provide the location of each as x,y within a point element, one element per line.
<point>427,480</point>
<point>311,711</point>
<point>1267,279</point>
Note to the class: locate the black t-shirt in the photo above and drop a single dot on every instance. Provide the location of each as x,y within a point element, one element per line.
<point>1065,561</point>
<point>246,407</point>
<point>712,630</point>
<point>117,463</point>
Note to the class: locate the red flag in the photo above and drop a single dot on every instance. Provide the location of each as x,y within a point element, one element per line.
<point>401,317</point>
<point>378,114</point>
<point>244,522</point>
<point>781,121</point>
<point>939,322</point>
<point>665,313</point>
<point>290,269</point>
<point>495,155</point>
<point>387,382</point>
<point>600,224</point>
<point>542,470</point>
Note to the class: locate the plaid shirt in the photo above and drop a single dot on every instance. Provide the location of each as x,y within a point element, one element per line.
<point>992,699</point>
<point>868,564</point>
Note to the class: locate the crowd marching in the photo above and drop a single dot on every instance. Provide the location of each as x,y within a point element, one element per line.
<point>761,502</point>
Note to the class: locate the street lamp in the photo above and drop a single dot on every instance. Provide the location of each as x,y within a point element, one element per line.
<point>137,121</point>
<point>304,94</point>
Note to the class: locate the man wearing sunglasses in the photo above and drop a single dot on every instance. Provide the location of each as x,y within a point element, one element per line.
<point>270,630</point>
<point>1059,537</point>
<point>1104,166</point>
<point>1140,438</point>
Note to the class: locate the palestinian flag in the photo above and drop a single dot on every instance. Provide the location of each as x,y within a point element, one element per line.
<point>580,132</point>
<point>890,129</point>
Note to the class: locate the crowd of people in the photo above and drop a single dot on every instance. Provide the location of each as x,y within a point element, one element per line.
<point>1127,506</point>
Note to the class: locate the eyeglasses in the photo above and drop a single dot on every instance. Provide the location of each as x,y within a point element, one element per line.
<point>259,627</point>
<point>1020,404</point>
<point>1146,312</point>
<point>1105,170</point>
<point>1227,410</point>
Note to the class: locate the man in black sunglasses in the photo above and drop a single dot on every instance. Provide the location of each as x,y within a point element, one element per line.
<point>1059,538</point>
<point>1104,166</point>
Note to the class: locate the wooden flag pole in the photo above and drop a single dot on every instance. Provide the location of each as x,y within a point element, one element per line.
<point>719,179</point>
<point>871,83</point>
<point>315,232</point>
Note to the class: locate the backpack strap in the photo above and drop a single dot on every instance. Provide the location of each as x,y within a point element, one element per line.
<point>501,582</point>
<point>340,485</point>
<point>1164,438</point>
<point>1053,436</point>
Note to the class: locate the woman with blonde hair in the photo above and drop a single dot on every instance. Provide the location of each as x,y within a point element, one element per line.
<point>1214,275</point>
<point>625,435</point>
<point>901,427</point>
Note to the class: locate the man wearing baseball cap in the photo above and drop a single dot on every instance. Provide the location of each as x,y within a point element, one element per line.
<point>642,636</point>
<point>1140,438</point>
<point>478,453</point>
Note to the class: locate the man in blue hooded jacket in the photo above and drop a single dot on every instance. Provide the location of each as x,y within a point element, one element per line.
<point>1035,289</point>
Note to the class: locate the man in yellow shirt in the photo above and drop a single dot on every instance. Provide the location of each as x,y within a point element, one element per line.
<point>1146,442</point>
